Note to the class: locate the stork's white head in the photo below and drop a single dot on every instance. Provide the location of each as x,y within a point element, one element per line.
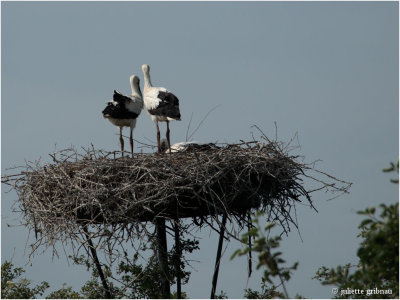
<point>145,68</point>
<point>146,73</point>
<point>134,80</point>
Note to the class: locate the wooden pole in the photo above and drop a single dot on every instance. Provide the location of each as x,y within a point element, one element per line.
<point>178,261</point>
<point>163,257</point>
<point>97,263</point>
<point>217,261</point>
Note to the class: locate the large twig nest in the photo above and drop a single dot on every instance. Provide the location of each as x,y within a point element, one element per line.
<point>98,189</point>
<point>196,182</point>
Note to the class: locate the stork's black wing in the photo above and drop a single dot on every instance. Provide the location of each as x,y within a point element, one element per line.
<point>168,106</point>
<point>117,109</point>
<point>120,98</point>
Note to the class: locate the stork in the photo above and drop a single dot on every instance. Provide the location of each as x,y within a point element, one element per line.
<point>161,105</point>
<point>177,147</point>
<point>124,110</point>
<point>185,146</point>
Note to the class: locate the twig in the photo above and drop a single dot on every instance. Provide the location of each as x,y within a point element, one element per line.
<point>201,122</point>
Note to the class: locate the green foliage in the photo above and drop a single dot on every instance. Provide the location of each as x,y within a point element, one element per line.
<point>137,280</point>
<point>393,168</point>
<point>175,295</point>
<point>14,287</point>
<point>144,281</point>
<point>64,293</point>
<point>378,255</point>
<point>221,295</point>
<point>177,264</point>
<point>266,293</point>
<point>272,262</point>
<point>378,267</point>
<point>92,289</point>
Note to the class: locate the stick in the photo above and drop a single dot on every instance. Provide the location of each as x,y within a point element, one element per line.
<point>217,261</point>
<point>97,263</point>
<point>163,257</point>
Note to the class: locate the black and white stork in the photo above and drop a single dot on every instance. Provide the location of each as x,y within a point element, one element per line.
<point>161,105</point>
<point>124,110</point>
<point>186,146</point>
<point>177,147</point>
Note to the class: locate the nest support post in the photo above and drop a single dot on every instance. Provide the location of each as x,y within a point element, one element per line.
<point>218,259</point>
<point>162,252</point>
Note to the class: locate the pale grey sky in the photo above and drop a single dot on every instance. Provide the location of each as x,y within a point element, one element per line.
<point>326,70</point>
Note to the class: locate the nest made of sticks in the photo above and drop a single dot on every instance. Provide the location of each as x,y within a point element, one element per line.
<point>97,189</point>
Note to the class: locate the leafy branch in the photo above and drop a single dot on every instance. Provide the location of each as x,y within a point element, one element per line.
<point>269,259</point>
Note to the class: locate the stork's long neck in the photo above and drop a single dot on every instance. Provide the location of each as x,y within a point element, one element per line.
<point>136,90</point>
<point>147,81</point>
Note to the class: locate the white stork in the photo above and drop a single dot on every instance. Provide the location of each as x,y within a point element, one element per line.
<point>185,146</point>
<point>177,147</point>
<point>124,110</point>
<point>161,105</point>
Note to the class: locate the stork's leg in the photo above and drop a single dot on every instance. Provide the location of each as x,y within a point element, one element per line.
<point>121,141</point>
<point>169,141</point>
<point>158,138</point>
<point>131,141</point>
